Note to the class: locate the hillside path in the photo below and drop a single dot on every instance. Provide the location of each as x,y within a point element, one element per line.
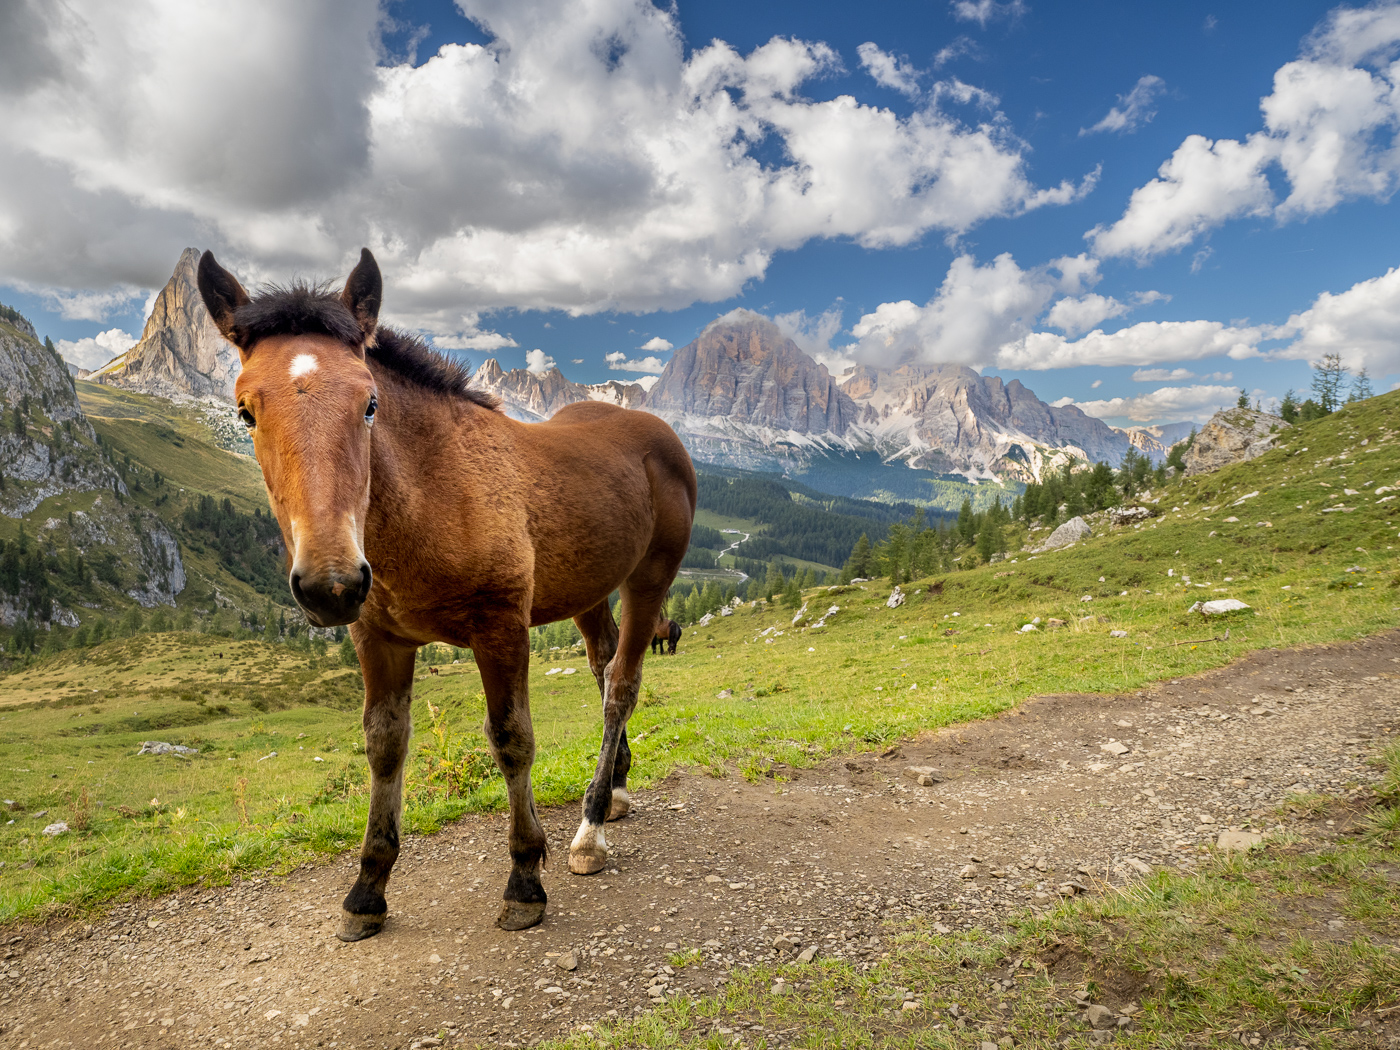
<point>836,858</point>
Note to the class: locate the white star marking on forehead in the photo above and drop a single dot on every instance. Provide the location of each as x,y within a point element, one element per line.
<point>303,363</point>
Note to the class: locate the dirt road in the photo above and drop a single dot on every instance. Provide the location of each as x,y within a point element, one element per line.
<point>1061,796</point>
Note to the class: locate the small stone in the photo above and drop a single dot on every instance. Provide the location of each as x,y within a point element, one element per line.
<point>435,958</point>
<point>1118,634</point>
<point>909,1006</point>
<point>967,872</point>
<point>1101,1036</point>
<point>1231,841</point>
<point>1113,747</point>
<point>919,774</point>
<point>987,1044</point>
<point>724,694</point>
<point>271,1014</point>
<point>780,989</point>
<point>782,944</point>
<point>712,879</point>
<point>656,991</point>
<point>1100,1016</point>
<point>567,961</point>
<point>1138,866</point>
<point>807,954</point>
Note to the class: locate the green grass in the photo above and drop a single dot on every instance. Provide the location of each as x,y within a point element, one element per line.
<point>797,695</point>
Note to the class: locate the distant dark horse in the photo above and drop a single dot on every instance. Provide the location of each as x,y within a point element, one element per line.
<point>382,465</point>
<point>666,631</point>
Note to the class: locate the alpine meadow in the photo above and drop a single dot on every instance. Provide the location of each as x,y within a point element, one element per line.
<point>699,526</point>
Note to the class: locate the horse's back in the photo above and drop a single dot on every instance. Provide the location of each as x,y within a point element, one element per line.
<point>625,432</point>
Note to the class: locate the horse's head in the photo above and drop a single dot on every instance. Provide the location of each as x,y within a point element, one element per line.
<point>309,400</point>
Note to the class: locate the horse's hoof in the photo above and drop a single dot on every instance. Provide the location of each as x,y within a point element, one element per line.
<point>587,861</point>
<point>620,804</point>
<point>358,927</point>
<point>518,915</point>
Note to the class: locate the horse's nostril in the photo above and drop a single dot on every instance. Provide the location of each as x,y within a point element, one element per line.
<point>366,580</point>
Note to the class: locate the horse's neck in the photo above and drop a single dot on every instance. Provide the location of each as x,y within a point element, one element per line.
<point>422,428</point>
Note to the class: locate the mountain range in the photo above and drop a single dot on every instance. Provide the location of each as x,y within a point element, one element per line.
<point>741,394</point>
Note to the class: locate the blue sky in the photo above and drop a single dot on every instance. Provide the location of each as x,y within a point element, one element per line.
<point>921,175</point>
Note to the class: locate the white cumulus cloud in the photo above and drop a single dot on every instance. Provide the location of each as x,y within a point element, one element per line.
<point>977,309</point>
<point>95,351</point>
<point>887,70</point>
<point>1162,375</point>
<point>582,160</point>
<point>1136,108</point>
<point>620,362</point>
<point>1197,403</point>
<point>538,362</point>
<point>1362,324</point>
<point>813,336</point>
<point>657,345</point>
<point>985,11</point>
<point>1328,129</point>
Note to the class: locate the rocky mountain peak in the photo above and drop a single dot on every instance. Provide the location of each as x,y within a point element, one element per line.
<point>181,353</point>
<point>743,367</point>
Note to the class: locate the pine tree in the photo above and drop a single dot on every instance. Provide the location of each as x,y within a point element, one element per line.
<point>1361,386</point>
<point>773,582</point>
<point>1243,400</point>
<point>1327,382</point>
<point>1288,407</point>
<point>861,563</point>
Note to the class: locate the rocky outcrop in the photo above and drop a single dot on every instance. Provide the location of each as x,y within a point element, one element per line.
<point>1232,435</point>
<point>1145,443</point>
<point>1072,531</point>
<point>47,445</point>
<point>181,353</point>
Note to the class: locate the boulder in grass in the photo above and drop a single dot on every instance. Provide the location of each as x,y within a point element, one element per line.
<point>1071,531</point>
<point>159,747</point>
<point>1219,607</point>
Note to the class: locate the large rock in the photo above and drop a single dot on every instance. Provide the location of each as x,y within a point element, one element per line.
<point>56,449</point>
<point>181,353</point>
<point>1071,531</point>
<point>1232,436</point>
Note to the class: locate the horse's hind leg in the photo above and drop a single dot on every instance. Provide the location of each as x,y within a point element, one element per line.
<point>388,671</point>
<point>642,596</point>
<point>599,632</point>
<point>503,658</point>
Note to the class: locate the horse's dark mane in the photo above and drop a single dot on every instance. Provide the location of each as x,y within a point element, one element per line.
<point>306,309</point>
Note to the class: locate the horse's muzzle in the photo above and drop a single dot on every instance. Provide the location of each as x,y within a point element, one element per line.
<point>331,599</point>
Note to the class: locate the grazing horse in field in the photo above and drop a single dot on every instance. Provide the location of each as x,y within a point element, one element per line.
<point>415,511</point>
<point>666,631</point>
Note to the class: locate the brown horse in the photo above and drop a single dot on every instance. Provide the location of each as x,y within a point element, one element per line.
<point>666,631</point>
<point>382,466</point>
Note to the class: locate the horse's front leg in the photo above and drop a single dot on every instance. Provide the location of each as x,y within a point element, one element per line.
<point>504,663</point>
<point>622,678</point>
<point>388,671</point>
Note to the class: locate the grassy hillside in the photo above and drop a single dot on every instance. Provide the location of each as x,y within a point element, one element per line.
<point>1311,570</point>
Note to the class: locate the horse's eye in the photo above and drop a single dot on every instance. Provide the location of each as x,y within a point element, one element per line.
<point>369,411</point>
<point>247,418</point>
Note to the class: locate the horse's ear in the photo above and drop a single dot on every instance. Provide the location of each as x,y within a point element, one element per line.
<point>222,295</point>
<point>364,289</point>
